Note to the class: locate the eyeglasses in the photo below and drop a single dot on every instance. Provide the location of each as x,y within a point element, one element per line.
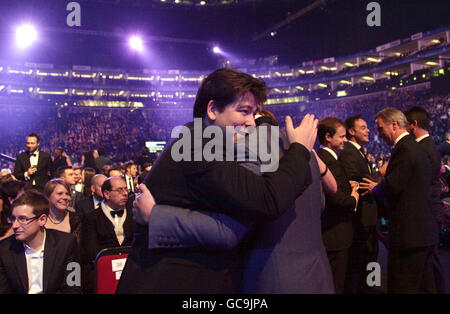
<point>120,190</point>
<point>22,219</point>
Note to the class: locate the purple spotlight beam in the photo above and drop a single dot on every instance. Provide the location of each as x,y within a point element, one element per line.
<point>216,49</point>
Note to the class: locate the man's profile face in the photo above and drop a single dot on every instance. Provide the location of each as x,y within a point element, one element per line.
<point>385,131</point>
<point>69,176</point>
<point>337,141</point>
<point>32,144</point>
<point>133,170</point>
<point>25,232</point>
<point>361,131</point>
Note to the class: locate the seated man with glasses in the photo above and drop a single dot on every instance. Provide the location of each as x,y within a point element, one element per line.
<point>112,224</point>
<point>36,260</point>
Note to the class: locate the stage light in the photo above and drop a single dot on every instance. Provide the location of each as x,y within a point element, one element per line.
<point>25,35</point>
<point>216,49</point>
<point>136,43</point>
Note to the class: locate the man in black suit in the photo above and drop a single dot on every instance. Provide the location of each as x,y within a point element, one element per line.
<point>419,122</point>
<point>413,232</point>
<point>364,249</point>
<point>33,166</point>
<point>337,231</point>
<point>88,204</point>
<point>226,98</point>
<point>112,224</point>
<point>36,260</point>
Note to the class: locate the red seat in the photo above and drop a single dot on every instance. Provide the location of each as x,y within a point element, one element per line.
<point>109,264</point>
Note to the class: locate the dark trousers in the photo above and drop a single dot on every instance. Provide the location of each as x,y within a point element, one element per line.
<point>338,262</point>
<point>411,270</point>
<point>364,250</point>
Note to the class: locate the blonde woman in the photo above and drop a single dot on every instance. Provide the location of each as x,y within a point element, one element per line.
<point>60,218</point>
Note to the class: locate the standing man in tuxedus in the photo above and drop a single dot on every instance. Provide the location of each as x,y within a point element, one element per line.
<point>419,122</point>
<point>225,98</point>
<point>33,166</point>
<point>406,188</point>
<point>337,230</point>
<point>364,249</point>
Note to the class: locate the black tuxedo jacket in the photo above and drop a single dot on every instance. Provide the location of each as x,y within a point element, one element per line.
<point>98,232</point>
<point>337,230</point>
<point>220,186</point>
<point>41,176</point>
<point>430,149</point>
<point>357,167</point>
<point>60,249</point>
<point>407,189</point>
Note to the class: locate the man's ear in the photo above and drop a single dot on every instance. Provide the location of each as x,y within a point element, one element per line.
<point>42,220</point>
<point>351,132</point>
<point>211,110</point>
<point>328,137</point>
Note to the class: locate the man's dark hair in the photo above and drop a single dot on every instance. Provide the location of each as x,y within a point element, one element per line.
<point>34,199</point>
<point>328,125</point>
<point>107,186</point>
<point>225,86</point>
<point>114,167</point>
<point>36,136</point>
<point>13,187</point>
<point>420,115</point>
<point>60,171</point>
<point>129,164</point>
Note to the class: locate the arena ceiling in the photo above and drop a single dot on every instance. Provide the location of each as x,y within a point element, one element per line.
<point>179,33</point>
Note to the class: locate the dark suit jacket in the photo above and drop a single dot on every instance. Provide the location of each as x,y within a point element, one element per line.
<point>337,230</point>
<point>41,176</point>
<point>406,188</point>
<point>98,232</point>
<point>356,168</point>
<point>430,149</point>
<point>60,249</point>
<point>214,186</point>
<point>85,205</point>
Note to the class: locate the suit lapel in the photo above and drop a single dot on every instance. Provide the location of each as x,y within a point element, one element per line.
<point>50,256</point>
<point>26,161</point>
<point>104,221</point>
<point>20,262</point>
<point>357,152</point>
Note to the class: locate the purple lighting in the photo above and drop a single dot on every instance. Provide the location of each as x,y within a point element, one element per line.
<point>216,49</point>
<point>25,35</point>
<point>136,43</point>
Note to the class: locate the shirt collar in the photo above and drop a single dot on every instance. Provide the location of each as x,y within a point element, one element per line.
<point>29,250</point>
<point>422,137</point>
<point>400,137</point>
<point>332,152</point>
<point>358,147</point>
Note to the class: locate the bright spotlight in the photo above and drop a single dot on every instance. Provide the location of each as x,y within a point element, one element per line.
<point>136,43</point>
<point>25,35</point>
<point>216,49</point>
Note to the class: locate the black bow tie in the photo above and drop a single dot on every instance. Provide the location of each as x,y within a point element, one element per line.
<point>32,154</point>
<point>117,212</point>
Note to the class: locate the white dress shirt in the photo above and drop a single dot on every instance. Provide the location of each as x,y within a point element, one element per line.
<point>422,137</point>
<point>33,162</point>
<point>400,137</point>
<point>35,268</point>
